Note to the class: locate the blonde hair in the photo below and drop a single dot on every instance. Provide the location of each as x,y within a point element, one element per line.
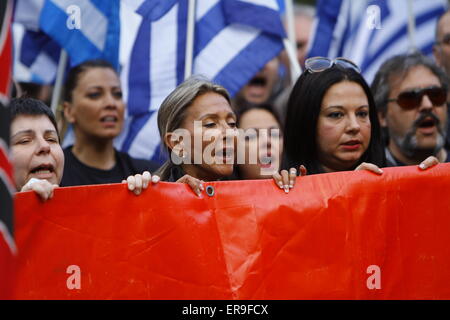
<point>173,110</point>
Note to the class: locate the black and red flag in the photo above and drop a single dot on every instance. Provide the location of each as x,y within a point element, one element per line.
<point>7,246</point>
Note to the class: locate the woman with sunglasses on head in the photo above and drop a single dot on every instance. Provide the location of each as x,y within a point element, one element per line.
<point>331,122</point>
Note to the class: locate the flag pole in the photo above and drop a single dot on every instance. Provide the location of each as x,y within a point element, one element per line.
<point>189,39</point>
<point>59,80</point>
<point>290,43</point>
<point>411,26</point>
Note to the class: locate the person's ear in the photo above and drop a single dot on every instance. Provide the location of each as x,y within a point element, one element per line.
<point>382,118</point>
<point>68,112</point>
<point>437,55</point>
<point>172,141</point>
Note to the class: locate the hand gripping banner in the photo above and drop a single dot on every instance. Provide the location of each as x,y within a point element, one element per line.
<point>347,235</point>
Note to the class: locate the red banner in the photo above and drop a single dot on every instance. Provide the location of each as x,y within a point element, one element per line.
<point>347,235</point>
<point>7,246</point>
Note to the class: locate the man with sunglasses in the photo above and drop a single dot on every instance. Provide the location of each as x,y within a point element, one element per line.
<point>410,93</point>
<point>441,50</point>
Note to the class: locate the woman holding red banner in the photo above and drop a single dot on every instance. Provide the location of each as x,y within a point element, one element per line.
<point>194,114</point>
<point>198,128</point>
<point>332,123</point>
<point>36,154</point>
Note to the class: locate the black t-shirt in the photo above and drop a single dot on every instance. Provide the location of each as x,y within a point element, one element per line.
<point>176,172</point>
<point>77,173</point>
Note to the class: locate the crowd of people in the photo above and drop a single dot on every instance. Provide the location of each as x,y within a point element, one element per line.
<point>330,120</point>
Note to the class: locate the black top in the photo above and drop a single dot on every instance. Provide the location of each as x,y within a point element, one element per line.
<point>77,173</point>
<point>176,172</point>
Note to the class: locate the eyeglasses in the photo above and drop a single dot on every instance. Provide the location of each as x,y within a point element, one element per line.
<point>413,98</point>
<point>319,64</point>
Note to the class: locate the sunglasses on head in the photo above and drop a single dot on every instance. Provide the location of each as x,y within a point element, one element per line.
<point>413,98</point>
<point>319,64</point>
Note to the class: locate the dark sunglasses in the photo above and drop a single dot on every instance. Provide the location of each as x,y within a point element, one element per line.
<point>319,64</point>
<point>413,98</point>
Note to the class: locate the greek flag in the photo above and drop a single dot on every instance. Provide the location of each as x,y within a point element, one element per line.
<point>369,32</point>
<point>233,40</point>
<point>37,56</point>
<point>86,29</point>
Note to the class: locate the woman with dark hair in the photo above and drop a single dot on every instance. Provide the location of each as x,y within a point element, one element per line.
<point>331,122</point>
<point>263,137</point>
<point>36,154</point>
<point>199,131</point>
<point>94,106</point>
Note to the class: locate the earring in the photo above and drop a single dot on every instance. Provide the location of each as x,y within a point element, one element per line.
<point>182,155</point>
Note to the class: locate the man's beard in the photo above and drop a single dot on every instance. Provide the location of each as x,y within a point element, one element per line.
<point>408,143</point>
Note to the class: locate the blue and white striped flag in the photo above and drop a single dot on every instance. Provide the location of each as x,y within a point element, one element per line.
<point>37,56</point>
<point>233,40</point>
<point>86,29</point>
<point>369,32</point>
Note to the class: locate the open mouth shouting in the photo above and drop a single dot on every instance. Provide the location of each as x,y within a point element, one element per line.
<point>257,88</point>
<point>266,160</point>
<point>259,80</point>
<point>427,125</point>
<point>109,120</point>
<point>227,155</point>
<point>224,155</point>
<point>43,171</point>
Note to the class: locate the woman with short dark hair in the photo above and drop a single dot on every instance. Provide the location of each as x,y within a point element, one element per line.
<point>36,154</point>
